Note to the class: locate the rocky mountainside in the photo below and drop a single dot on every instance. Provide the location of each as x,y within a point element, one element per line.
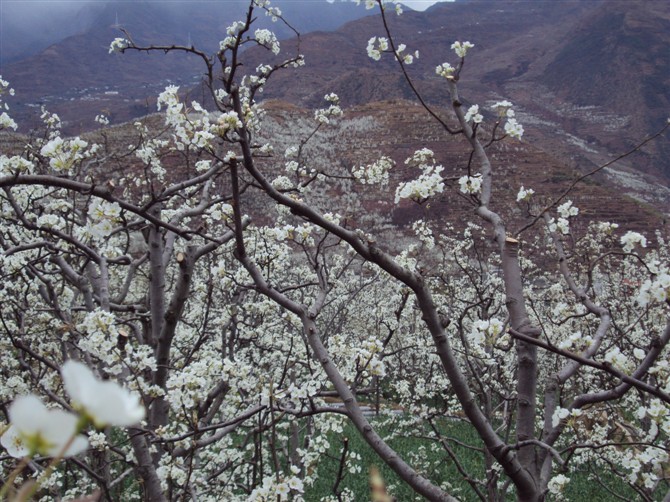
<point>589,78</point>
<point>78,78</point>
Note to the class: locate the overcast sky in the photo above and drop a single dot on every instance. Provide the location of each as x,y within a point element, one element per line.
<point>421,4</point>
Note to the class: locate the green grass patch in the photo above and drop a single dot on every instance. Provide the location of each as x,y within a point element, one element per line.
<point>439,468</point>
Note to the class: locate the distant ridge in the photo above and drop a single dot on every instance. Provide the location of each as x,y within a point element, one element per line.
<point>590,79</point>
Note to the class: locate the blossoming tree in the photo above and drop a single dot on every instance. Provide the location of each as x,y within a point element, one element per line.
<point>216,277</point>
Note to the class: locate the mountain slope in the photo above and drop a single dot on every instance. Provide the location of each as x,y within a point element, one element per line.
<point>590,79</point>
<point>77,77</point>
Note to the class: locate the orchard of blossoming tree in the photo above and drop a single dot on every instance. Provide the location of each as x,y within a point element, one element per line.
<point>222,316</point>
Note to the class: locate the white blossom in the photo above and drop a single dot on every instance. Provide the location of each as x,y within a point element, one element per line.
<point>524,194</point>
<point>470,184</point>
<point>375,47</point>
<point>103,402</point>
<point>513,128</point>
<point>557,484</point>
<point>376,173</point>
<point>566,210</point>
<point>37,429</point>
<point>474,115</point>
<point>445,70</point>
<point>461,48</point>
<point>118,45</point>
<point>267,39</point>
<point>630,239</point>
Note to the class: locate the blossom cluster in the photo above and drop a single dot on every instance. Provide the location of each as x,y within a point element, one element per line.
<point>524,194</point>
<point>562,224</point>
<point>376,46</point>
<point>376,173</point>
<point>486,331</point>
<point>64,154</point>
<point>445,70</point>
<point>406,58</point>
<point>461,48</point>
<point>424,233</point>
<point>325,115</point>
<point>632,239</point>
<point>512,127</point>
<point>656,289</point>
<point>6,122</point>
<point>474,115</point>
<point>118,45</point>
<point>429,183</point>
<point>470,184</point>
<point>102,216</point>
<point>267,39</point>
<point>232,31</point>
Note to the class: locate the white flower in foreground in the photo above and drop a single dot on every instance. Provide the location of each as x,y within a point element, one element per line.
<point>37,429</point>
<point>103,402</point>
<point>12,442</point>
<point>559,414</point>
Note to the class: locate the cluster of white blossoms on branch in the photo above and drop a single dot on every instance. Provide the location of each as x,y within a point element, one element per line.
<point>267,39</point>
<point>486,332</point>
<point>369,4</point>
<point>6,122</point>
<point>430,181</point>
<point>632,239</point>
<point>474,115</point>
<point>278,489</point>
<point>557,484</point>
<point>655,290</point>
<point>376,173</point>
<point>377,45</point>
<point>562,224</point>
<point>406,58</point>
<point>565,414</point>
<point>470,184</point>
<point>424,233</point>
<point>524,194</point>
<point>576,342</point>
<point>324,115</point>
<point>102,217</point>
<point>445,70</point>
<point>512,127</point>
<point>64,154</point>
<point>15,165</point>
<point>36,429</point>
<point>118,45</point>
<point>461,48</point>
<point>619,360</point>
<point>232,31</point>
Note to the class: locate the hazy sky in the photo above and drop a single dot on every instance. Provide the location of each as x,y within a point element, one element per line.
<point>422,4</point>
